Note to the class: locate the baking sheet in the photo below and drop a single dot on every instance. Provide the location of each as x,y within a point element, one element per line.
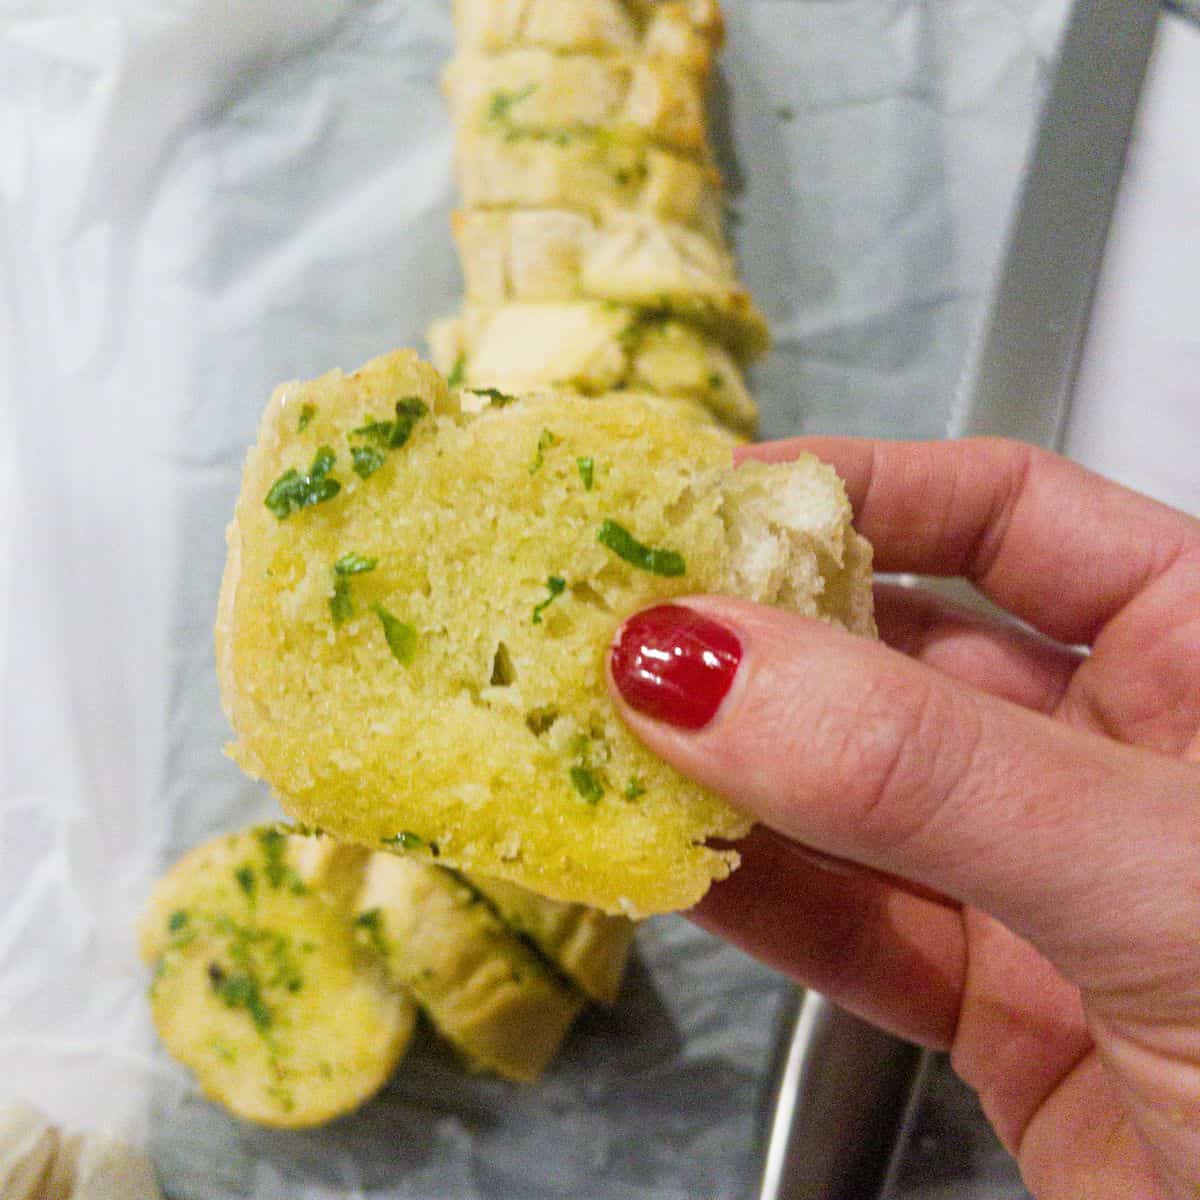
<point>201,198</point>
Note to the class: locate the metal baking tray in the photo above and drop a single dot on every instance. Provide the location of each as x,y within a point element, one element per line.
<point>284,188</point>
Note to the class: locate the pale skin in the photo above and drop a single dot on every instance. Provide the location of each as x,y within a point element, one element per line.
<point>1001,832</point>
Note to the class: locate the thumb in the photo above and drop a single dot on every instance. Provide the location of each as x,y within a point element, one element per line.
<point>1084,846</point>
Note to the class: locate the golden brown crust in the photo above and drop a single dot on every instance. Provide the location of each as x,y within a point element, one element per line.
<point>486,992</point>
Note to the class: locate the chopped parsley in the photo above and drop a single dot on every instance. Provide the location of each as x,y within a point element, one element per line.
<point>391,435</point>
<point>371,920</point>
<point>546,441</point>
<point>587,472</point>
<point>401,638</point>
<point>307,412</point>
<point>367,460</point>
<point>715,381</point>
<point>341,605</point>
<point>458,372</point>
<point>634,788</point>
<point>556,137</point>
<point>632,336</point>
<point>293,491</point>
<point>354,564</point>
<point>498,398</point>
<point>177,921</point>
<point>246,879</point>
<point>586,784</point>
<point>646,558</point>
<point>411,841</point>
<point>555,586</point>
<point>241,991</point>
<point>502,102</point>
<point>278,872</point>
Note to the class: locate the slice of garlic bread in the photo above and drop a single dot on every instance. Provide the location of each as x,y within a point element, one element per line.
<point>595,347</point>
<point>417,607</point>
<point>264,991</point>
<point>555,254</point>
<point>483,988</point>
<point>539,94</point>
<point>589,173</point>
<point>687,32</point>
<point>93,1166</point>
<point>589,946</point>
<point>28,1144</point>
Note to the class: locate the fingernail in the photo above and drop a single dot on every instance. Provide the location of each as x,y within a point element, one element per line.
<point>675,665</point>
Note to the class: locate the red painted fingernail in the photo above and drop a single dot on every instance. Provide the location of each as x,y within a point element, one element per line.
<point>675,665</point>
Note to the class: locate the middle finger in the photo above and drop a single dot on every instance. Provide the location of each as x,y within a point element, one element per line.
<point>1005,660</point>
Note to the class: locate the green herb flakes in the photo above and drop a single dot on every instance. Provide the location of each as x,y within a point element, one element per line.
<point>407,841</point>
<point>401,638</point>
<point>623,544</point>
<point>177,921</point>
<point>240,991</point>
<point>276,868</point>
<point>634,334</point>
<point>341,604</point>
<point>371,922</point>
<point>367,460</point>
<point>587,785</point>
<point>546,441</point>
<point>634,788</point>
<point>307,412</point>
<point>555,586</point>
<point>246,880</point>
<point>458,372</point>
<point>354,564</point>
<point>587,472</point>
<point>502,102</point>
<point>408,413</point>
<point>378,437</point>
<point>293,491</point>
<point>497,398</point>
<point>391,435</point>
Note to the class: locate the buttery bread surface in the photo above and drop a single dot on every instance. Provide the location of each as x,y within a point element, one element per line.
<point>264,990</point>
<point>414,659</point>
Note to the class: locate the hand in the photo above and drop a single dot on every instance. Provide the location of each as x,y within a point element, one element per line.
<point>1007,830</point>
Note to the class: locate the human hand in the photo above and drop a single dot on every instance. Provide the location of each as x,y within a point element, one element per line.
<point>1012,825</point>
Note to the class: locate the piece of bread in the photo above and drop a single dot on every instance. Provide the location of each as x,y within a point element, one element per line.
<point>264,990</point>
<point>588,946</point>
<point>555,254</point>
<point>28,1143</point>
<point>93,1166</point>
<point>536,93</point>
<point>38,1161</point>
<point>453,694</point>
<point>684,31</point>
<point>592,174</point>
<point>485,991</point>
<point>593,347</point>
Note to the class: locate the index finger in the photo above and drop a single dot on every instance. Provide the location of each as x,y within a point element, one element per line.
<point>1056,545</point>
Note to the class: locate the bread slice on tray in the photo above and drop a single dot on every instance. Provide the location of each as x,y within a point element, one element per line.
<point>594,347</point>
<point>628,259</point>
